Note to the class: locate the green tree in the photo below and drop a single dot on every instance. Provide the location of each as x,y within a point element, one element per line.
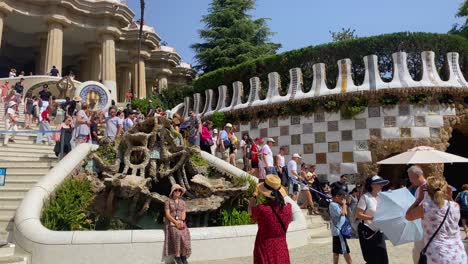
<point>461,29</point>
<point>344,34</point>
<point>231,36</point>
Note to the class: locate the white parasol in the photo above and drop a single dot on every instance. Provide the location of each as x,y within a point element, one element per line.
<point>423,155</point>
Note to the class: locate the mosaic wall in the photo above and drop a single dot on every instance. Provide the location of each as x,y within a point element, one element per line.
<point>337,145</point>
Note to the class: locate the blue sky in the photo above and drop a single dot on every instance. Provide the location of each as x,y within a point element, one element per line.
<point>301,23</point>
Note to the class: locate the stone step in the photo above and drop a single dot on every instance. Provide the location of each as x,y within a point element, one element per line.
<point>11,201</point>
<point>7,250</point>
<point>9,148</point>
<point>29,136</point>
<point>24,159</point>
<point>22,141</point>
<point>28,165</point>
<point>6,191</point>
<point>28,146</point>
<point>7,211</point>
<point>13,260</point>
<point>28,154</point>
<point>16,183</point>
<point>6,223</point>
<point>26,173</point>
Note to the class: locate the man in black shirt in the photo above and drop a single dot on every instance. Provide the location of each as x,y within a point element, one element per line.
<point>150,110</point>
<point>19,87</point>
<point>127,110</point>
<point>54,72</point>
<point>94,129</point>
<point>44,94</point>
<point>342,183</point>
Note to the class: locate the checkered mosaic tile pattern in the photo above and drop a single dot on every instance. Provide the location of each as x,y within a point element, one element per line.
<point>336,145</point>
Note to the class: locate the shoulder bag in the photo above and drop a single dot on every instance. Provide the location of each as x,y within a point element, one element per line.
<point>422,255</point>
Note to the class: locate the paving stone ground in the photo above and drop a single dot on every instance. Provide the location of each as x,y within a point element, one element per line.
<point>321,254</point>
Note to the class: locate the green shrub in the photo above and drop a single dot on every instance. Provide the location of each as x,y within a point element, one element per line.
<point>331,105</point>
<point>197,159</point>
<point>232,217</point>
<point>241,181</point>
<point>389,100</point>
<point>143,103</point>
<point>67,208</point>
<point>383,46</point>
<point>419,99</point>
<point>218,119</point>
<point>355,106</point>
<point>107,153</point>
<point>175,94</point>
<point>446,99</point>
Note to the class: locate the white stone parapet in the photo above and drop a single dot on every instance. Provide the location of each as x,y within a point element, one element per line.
<point>345,82</point>
<point>196,103</point>
<point>45,246</point>
<point>208,109</point>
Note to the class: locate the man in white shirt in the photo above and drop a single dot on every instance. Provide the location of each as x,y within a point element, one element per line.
<point>113,124</point>
<point>292,173</point>
<point>416,177</point>
<point>267,157</point>
<point>10,122</point>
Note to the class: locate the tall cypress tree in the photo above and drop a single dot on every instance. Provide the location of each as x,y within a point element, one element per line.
<point>232,36</point>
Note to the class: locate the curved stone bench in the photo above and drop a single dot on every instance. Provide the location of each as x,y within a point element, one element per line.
<point>45,246</point>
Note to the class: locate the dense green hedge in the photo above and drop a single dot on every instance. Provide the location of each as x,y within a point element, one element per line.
<point>382,46</point>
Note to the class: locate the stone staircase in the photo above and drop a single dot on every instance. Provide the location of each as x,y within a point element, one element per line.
<point>318,228</point>
<point>25,164</point>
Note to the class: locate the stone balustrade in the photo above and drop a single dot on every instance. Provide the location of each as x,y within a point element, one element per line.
<point>345,83</point>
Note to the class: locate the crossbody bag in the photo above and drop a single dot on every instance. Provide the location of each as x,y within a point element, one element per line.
<point>422,255</point>
<point>279,219</point>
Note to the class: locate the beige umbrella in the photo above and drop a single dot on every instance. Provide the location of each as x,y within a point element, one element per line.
<point>423,155</point>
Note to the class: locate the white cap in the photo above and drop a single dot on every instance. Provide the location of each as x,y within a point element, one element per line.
<point>270,140</point>
<point>295,155</point>
<point>215,131</point>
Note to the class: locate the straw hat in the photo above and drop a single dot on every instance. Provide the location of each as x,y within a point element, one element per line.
<point>77,98</point>
<point>272,182</point>
<point>177,187</point>
<point>228,125</point>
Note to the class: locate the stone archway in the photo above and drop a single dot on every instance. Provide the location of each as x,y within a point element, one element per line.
<point>396,174</point>
<point>458,145</point>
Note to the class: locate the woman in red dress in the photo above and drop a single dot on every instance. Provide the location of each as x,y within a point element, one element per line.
<point>273,217</point>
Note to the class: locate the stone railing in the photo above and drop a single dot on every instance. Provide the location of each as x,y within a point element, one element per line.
<point>345,83</point>
<point>126,246</point>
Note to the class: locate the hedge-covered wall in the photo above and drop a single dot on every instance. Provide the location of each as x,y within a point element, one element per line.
<point>383,46</point>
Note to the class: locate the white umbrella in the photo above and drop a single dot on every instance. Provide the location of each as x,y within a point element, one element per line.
<point>423,155</point>
<point>390,217</point>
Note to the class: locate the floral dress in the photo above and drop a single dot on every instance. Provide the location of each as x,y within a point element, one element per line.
<point>177,242</point>
<point>447,246</point>
<point>270,244</point>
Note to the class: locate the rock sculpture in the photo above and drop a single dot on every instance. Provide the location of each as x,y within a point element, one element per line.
<point>147,161</point>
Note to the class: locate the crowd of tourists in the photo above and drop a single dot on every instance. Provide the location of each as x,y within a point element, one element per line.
<point>351,213</point>
<point>348,210</point>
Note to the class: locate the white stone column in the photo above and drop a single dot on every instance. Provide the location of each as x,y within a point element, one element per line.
<point>95,58</point>
<point>109,70</point>
<point>139,81</point>
<point>125,81</point>
<point>43,53</point>
<point>54,51</point>
<point>162,83</point>
<point>2,17</point>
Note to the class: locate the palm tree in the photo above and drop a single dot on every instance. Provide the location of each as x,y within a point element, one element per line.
<point>142,15</point>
